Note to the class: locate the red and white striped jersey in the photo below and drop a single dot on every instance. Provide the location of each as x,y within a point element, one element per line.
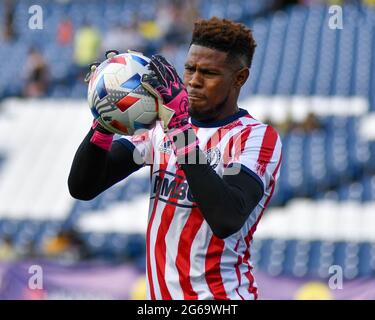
<point>185,260</point>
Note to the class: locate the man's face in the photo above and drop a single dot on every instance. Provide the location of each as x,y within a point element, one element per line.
<point>209,80</point>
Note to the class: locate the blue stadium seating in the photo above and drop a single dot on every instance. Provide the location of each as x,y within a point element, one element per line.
<point>2,159</point>
<point>117,193</point>
<point>276,256</point>
<point>313,258</point>
<point>115,246</point>
<point>325,159</point>
<point>296,55</point>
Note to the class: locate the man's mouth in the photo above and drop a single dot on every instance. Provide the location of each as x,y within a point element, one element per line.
<point>195,97</point>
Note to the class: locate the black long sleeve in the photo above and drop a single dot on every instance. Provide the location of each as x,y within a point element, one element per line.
<point>94,169</point>
<point>226,202</point>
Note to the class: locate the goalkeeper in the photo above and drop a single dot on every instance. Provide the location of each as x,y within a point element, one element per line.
<point>213,169</point>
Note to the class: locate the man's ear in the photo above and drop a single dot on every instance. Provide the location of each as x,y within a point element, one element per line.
<point>241,77</point>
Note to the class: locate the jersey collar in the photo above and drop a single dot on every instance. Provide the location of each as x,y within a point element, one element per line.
<point>220,123</point>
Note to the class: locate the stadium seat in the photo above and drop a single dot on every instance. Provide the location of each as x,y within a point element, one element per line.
<point>296,55</point>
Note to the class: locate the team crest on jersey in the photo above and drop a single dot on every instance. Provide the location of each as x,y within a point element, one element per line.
<point>166,147</point>
<point>213,157</point>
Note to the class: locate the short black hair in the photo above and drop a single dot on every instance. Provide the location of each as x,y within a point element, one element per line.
<point>227,36</point>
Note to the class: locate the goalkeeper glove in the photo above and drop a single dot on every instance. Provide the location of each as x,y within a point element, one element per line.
<point>164,83</point>
<point>101,137</point>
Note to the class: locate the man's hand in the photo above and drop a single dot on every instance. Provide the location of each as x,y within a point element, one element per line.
<point>102,137</point>
<point>165,84</point>
<point>93,66</point>
<point>98,125</point>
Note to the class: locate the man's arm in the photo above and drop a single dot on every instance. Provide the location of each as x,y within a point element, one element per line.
<point>95,169</point>
<point>226,202</point>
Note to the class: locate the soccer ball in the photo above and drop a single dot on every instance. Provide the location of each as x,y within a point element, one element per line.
<point>116,97</point>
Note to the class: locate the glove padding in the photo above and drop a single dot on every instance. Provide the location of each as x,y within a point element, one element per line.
<point>164,83</point>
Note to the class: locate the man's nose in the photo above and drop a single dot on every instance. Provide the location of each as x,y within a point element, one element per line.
<point>195,80</point>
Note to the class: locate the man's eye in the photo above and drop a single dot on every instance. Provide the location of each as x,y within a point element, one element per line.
<point>190,69</point>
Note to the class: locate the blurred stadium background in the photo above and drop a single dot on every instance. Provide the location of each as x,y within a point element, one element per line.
<point>314,84</point>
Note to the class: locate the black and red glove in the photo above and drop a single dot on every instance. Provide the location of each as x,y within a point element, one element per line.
<point>165,84</point>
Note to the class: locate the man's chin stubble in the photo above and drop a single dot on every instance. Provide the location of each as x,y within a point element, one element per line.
<point>200,115</point>
<point>206,115</point>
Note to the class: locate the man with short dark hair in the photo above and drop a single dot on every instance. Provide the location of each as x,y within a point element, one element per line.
<point>213,173</point>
